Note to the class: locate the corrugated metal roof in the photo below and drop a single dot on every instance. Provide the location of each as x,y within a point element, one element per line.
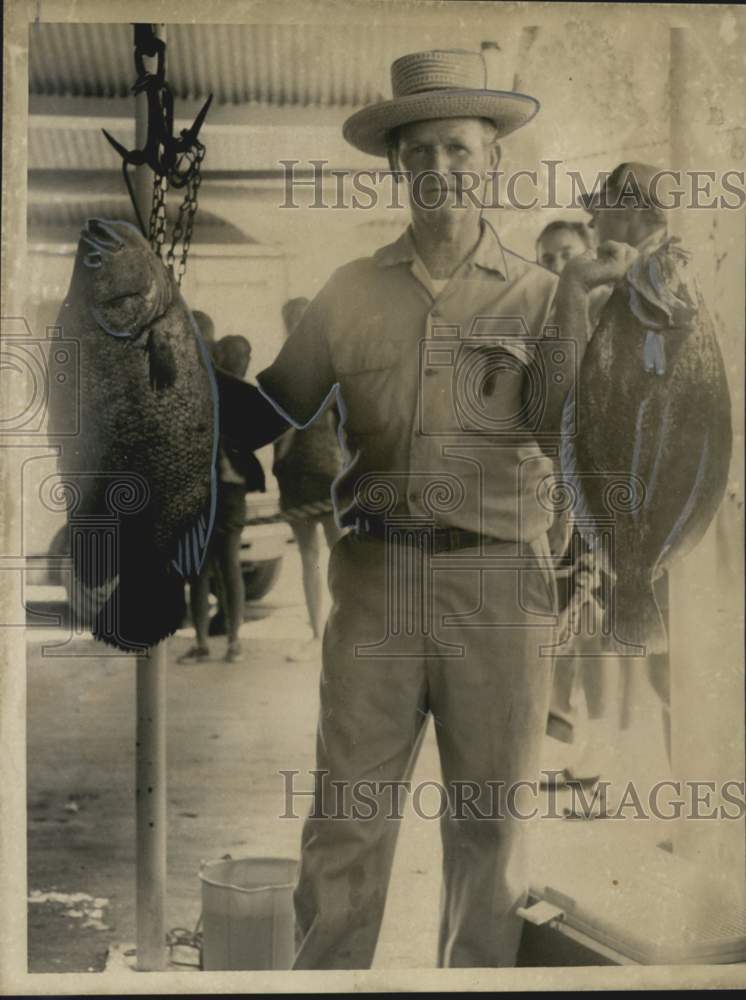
<point>259,148</point>
<point>302,64</point>
<point>58,221</point>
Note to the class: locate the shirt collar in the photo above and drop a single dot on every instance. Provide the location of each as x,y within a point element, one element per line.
<point>488,253</point>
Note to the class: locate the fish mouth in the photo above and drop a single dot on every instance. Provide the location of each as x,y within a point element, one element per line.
<point>102,235</point>
<point>103,241</point>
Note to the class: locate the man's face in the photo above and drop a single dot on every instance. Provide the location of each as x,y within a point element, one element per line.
<point>450,156</point>
<point>556,248</point>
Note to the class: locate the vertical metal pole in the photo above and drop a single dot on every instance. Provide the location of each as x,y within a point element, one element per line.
<point>150,746</point>
<point>150,784</point>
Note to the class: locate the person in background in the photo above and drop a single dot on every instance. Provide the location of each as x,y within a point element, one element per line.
<point>305,466</point>
<point>560,241</point>
<point>206,327</point>
<point>239,472</point>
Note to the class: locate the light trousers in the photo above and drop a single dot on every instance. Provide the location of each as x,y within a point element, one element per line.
<point>465,636</point>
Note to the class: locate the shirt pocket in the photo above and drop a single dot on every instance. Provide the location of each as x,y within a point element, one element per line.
<point>369,386</point>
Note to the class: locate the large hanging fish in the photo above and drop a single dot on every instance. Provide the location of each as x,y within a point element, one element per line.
<point>144,457</point>
<point>654,436</point>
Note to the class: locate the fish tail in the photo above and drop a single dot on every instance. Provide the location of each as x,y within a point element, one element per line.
<point>635,618</point>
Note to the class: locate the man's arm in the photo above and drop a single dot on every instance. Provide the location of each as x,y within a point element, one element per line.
<point>301,378</point>
<point>571,314</point>
<point>245,415</point>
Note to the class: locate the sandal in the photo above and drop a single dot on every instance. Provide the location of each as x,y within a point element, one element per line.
<point>197,654</point>
<point>234,652</point>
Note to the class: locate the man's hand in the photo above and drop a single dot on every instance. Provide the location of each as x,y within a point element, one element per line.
<point>611,264</point>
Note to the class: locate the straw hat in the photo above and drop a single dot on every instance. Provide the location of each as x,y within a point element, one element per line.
<point>445,83</point>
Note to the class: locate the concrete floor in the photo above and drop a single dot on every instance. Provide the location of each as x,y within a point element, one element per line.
<point>231,730</point>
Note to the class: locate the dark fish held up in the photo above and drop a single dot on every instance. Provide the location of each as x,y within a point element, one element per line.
<point>652,451</point>
<point>141,469</point>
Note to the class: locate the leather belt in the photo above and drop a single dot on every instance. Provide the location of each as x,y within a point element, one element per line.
<point>442,539</point>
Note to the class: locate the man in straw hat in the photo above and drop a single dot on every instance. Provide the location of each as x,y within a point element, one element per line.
<point>443,596</point>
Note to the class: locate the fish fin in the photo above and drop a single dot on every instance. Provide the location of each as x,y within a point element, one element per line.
<point>147,607</point>
<point>162,361</point>
<point>191,550</point>
<point>636,619</point>
<point>677,531</point>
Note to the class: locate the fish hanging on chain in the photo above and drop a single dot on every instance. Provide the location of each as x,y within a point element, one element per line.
<point>147,400</point>
<point>150,408</point>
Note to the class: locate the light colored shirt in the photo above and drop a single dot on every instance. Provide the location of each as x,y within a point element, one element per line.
<point>438,408</point>
<point>434,285</point>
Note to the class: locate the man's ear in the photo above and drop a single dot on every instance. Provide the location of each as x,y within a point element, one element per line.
<point>495,155</point>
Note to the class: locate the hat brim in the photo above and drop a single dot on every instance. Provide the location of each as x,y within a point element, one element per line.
<point>367,129</point>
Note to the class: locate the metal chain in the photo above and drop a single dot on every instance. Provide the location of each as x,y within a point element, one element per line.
<point>190,202</point>
<point>157,233</point>
<point>184,225</point>
<point>157,228</point>
<point>183,228</point>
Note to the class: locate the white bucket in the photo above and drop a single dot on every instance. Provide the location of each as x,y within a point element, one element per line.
<point>247,913</point>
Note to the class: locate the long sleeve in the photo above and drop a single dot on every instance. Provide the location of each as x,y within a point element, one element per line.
<point>246,415</point>
<point>301,377</point>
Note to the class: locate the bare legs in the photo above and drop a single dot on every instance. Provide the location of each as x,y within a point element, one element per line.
<point>223,565</point>
<point>307,537</point>
<point>228,552</point>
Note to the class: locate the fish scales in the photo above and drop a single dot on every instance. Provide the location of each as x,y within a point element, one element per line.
<point>148,431</point>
